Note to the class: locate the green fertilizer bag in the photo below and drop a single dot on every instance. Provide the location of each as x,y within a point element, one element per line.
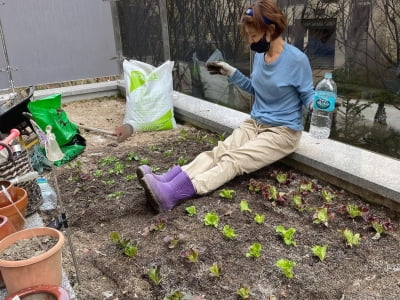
<point>48,111</point>
<point>149,89</point>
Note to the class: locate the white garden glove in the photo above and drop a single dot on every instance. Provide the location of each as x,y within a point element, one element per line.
<point>220,67</point>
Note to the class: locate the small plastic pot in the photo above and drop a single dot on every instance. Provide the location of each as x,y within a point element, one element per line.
<point>50,292</point>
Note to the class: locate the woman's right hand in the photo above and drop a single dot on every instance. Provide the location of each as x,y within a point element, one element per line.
<point>220,67</point>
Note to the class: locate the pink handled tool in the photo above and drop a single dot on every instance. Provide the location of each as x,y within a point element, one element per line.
<point>13,134</point>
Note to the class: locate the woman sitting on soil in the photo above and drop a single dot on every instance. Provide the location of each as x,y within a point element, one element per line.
<point>281,83</point>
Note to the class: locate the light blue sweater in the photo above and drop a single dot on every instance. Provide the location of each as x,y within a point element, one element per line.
<point>280,88</point>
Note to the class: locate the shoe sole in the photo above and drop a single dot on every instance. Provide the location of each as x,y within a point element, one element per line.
<point>140,174</point>
<point>150,196</point>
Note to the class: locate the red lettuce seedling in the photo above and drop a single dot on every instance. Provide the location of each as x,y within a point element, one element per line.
<point>306,187</point>
<point>159,224</point>
<point>254,186</point>
<point>174,240</point>
<point>381,227</point>
<point>191,254</point>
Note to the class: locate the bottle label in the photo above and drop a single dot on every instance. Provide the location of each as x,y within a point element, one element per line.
<point>324,100</point>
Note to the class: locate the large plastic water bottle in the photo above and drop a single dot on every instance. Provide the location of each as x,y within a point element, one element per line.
<point>324,104</point>
<point>48,194</point>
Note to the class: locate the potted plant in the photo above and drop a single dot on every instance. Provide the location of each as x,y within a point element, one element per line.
<point>41,292</point>
<point>43,269</point>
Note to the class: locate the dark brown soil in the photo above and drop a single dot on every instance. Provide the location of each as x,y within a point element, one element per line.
<point>99,201</point>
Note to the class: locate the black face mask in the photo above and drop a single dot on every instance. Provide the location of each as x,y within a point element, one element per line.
<point>261,46</point>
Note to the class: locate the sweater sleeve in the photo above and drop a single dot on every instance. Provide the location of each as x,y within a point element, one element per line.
<point>305,83</point>
<point>243,82</point>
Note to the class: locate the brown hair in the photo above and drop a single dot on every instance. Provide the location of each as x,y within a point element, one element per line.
<point>262,11</point>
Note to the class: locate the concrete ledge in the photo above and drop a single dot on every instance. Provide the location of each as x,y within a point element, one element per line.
<point>372,176</point>
<point>81,92</point>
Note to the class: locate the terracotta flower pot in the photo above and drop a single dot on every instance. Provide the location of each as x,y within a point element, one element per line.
<point>21,202</point>
<point>44,269</point>
<point>4,201</point>
<point>6,227</point>
<point>50,292</point>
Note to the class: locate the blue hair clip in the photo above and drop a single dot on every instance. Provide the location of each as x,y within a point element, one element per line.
<point>249,12</point>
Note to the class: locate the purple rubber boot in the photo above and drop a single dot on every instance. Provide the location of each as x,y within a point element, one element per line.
<point>164,196</point>
<point>167,176</point>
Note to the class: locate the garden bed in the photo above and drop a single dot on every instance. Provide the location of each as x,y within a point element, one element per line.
<point>101,195</point>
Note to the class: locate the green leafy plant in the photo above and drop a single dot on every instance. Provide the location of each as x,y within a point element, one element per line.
<point>130,177</point>
<point>254,250</point>
<point>191,254</point>
<point>215,270</point>
<point>174,240</point>
<point>319,251</point>
<point>306,187</point>
<point>211,219</point>
<point>175,295</point>
<point>168,153</point>
<point>132,156</point>
<point>191,210</point>
<point>115,195</point>
<point>182,161</point>
<point>229,232</point>
<point>353,211</point>
<point>244,206</point>
<point>255,186</point>
<point>228,194</point>
<point>107,160</point>
<point>351,239</point>
<point>320,216</point>
<point>98,173</point>
<point>327,195</point>
<point>244,293</point>
<point>287,234</point>
<point>128,248</point>
<point>259,219</point>
<point>380,227</point>
<point>144,161</point>
<point>183,134</point>
<point>297,202</point>
<point>155,274</point>
<point>286,266</point>
<point>158,224</point>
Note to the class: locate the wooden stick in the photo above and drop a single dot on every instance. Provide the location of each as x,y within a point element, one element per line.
<point>96,130</point>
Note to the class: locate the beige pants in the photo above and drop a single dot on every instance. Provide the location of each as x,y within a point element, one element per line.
<point>249,148</point>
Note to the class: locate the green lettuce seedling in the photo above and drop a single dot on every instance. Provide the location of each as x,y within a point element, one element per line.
<point>306,187</point>
<point>191,210</point>
<point>244,293</point>
<point>287,234</point>
<point>154,274</point>
<point>254,250</point>
<point>351,239</point>
<point>354,211</point>
<point>319,251</point>
<point>229,232</point>
<point>327,195</point>
<point>321,216</point>
<point>211,219</point>
<point>228,194</point>
<point>244,206</point>
<point>215,270</point>
<point>281,177</point>
<point>286,266</point>
<point>126,245</point>
<point>297,202</point>
<point>259,219</point>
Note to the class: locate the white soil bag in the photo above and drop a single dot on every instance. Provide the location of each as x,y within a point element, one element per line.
<point>149,104</point>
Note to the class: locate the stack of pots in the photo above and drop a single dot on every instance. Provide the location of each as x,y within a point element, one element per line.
<point>13,211</point>
<point>37,276</point>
